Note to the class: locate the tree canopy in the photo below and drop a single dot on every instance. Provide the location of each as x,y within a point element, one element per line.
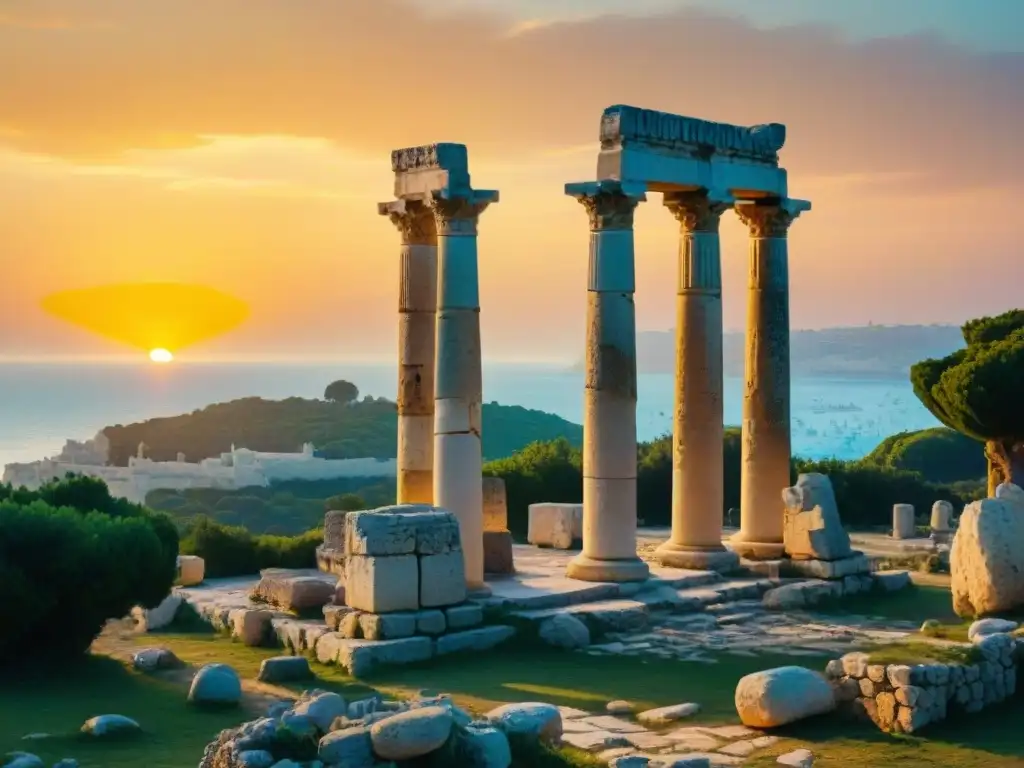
<point>979,390</point>
<point>341,391</point>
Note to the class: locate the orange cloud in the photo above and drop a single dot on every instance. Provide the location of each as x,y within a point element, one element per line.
<point>373,76</point>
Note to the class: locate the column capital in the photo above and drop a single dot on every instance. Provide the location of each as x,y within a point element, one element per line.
<point>698,211</point>
<point>414,220</point>
<point>772,217</point>
<point>609,204</point>
<point>456,214</point>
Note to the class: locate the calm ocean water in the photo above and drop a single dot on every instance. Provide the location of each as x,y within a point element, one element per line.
<point>42,405</point>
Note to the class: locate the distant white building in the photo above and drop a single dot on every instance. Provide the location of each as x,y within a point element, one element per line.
<point>238,468</point>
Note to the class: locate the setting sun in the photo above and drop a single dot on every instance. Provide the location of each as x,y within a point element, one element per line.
<point>161,356</point>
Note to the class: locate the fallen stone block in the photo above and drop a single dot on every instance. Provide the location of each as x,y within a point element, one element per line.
<point>293,592</point>
<point>284,669</point>
<point>252,627</point>
<point>191,570</point>
<point>554,525</point>
<point>152,619</point>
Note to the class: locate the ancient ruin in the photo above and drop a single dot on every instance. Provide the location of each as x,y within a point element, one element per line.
<point>440,385</point>
<point>703,169</point>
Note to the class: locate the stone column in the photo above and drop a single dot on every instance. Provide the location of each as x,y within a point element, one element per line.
<point>417,302</point>
<point>698,496</point>
<point>766,437</point>
<point>458,388</point>
<point>609,399</point>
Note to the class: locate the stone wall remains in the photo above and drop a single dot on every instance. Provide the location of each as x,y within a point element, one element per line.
<point>903,698</point>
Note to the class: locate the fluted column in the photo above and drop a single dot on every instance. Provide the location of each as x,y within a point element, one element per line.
<point>417,302</point>
<point>698,496</point>
<point>609,404</point>
<point>766,448</point>
<point>458,389</point>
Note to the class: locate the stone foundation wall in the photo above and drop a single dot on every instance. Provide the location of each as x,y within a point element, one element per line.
<point>904,698</point>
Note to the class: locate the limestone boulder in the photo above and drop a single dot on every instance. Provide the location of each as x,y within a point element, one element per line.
<point>154,659</point>
<point>22,760</point>
<point>215,684</point>
<point>348,748</point>
<point>531,719</point>
<point>986,559</point>
<point>252,627</point>
<point>110,725</point>
<point>813,530</point>
<point>783,695</point>
<point>294,592</point>
<point>411,734</point>
<point>322,709</point>
<point>564,631</point>
<point>488,747</point>
<point>982,628</point>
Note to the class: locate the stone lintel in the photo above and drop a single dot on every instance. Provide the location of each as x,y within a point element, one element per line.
<point>582,189</point>
<point>666,171</point>
<point>623,125</point>
<point>443,156</point>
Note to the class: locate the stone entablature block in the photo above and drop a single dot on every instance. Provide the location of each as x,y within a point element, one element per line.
<point>622,125</point>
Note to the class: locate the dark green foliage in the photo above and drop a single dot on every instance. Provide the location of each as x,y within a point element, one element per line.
<point>288,508</point>
<point>977,390</point>
<point>88,494</point>
<point>367,428</point>
<point>65,571</point>
<point>341,391</point>
<point>345,502</point>
<point>234,551</point>
<point>940,455</point>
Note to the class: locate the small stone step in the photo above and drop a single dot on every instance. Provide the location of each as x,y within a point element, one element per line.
<point>727,591</point>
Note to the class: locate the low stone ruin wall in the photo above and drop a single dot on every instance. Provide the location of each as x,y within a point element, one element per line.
<point>904,698</point>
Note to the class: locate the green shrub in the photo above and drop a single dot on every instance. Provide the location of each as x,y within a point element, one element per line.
<point>87,494</point>
<point>64,573</point>
<point>939,455</point>
<point>234,551</point>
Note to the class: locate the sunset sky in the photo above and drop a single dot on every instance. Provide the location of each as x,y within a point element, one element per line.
<point>243,145</point>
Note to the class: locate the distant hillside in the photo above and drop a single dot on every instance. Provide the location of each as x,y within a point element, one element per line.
<point>338,431</point>
<point>873,351</point>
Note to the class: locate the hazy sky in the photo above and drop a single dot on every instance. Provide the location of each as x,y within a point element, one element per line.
<point>243,145</point>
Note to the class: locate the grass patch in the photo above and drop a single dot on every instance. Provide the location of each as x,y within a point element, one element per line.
<point>916,604</point>
<point>56,700</point>
<point>917,652</point>
<point>956,632</point>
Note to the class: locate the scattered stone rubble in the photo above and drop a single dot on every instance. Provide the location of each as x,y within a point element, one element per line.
<point>905,699</point>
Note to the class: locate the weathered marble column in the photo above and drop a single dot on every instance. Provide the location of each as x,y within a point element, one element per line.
<point>698,496</point>
<point>766,429</point>
<point>458,388</point>
<point>609,400</point>
<point>417,302</point>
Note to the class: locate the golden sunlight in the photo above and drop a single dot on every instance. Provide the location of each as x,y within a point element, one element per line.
<point>154,317</point>
<point>160,355</point>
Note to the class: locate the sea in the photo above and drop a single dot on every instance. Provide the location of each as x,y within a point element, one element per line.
<point>42,405</point>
